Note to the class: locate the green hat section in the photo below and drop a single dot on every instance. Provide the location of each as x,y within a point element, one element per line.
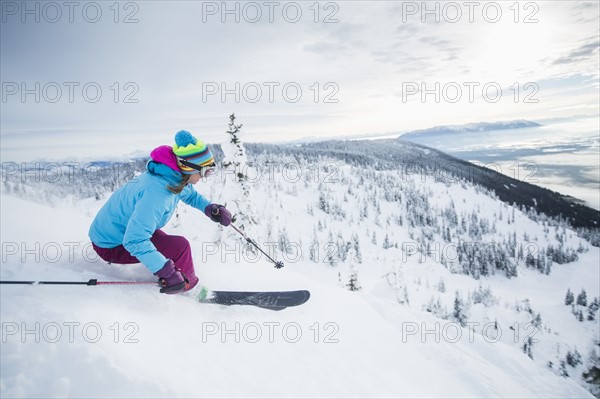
<point>190,149</point>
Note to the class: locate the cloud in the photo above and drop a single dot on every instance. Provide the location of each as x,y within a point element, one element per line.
<point>582,52</point>
<point>586,5</point>
<point>434,41</point>
<point>327,48</point>
<point>368,53</point>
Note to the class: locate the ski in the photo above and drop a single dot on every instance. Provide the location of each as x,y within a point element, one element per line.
<point>273,300</point>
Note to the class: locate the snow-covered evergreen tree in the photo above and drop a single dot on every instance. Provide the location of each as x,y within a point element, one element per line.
<point>459,313</point>
<point>356,246</point>
<point>236,187</point>
<point>593,309</point>
<point>582,298</point>
<point>441,287</point>
<point>573,358</point>
<point>528,347</point>
<point>592,373</point>
<point>569,298</point>
<point>386,242</point>
<point>562,369</point>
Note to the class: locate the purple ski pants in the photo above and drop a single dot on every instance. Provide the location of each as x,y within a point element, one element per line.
<point>176,248</point>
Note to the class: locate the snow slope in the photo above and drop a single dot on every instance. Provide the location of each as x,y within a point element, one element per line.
<point>340,343</point>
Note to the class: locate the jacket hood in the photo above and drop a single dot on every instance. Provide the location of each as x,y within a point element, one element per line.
<point>163,163</point>
<point>164,154</point>
<point>163,171</point>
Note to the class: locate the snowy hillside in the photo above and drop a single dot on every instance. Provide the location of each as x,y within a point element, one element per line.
<point>419,288</point>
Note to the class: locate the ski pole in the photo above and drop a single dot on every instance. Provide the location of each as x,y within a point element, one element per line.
<point>278,264</point>
<point>90,282</point>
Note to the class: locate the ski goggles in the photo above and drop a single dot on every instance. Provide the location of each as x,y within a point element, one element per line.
<point>208,170</point>
<point>205,171</point>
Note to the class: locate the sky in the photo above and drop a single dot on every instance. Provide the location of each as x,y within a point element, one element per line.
<point>97,78</point>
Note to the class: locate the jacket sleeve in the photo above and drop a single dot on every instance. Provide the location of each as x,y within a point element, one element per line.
<point>191,197</point>
<point>140,228</point>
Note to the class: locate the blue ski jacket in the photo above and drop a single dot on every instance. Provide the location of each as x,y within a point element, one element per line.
<point>135,211</point>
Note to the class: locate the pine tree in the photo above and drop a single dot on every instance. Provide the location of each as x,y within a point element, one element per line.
<point>459,310</point>
<point>569,297</point>
<point>314,247</point>
<point>386,242</point>
<point>527,347</point>
<point>353,284</point>
<point>537,321</point>
<point>569,359</point>
<point>331,254</point>
<point>529,260</point>
<point>405,295</point>
<point>582,298</point>
<point>562,369</point>
<point>441,286</point>
<point>236,191</point>
<point>284,241</point>
<point>577,357</point>
<point>593,308</point>
<point>234,139</point>
<point>356,245</point>
<point>573,358</point>
<point>324,202</point>
<point>592,373</point>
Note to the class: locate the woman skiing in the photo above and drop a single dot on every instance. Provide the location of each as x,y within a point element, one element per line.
<point>127,228</point>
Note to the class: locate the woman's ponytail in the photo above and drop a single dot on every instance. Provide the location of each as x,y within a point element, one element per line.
<point>179,188</point>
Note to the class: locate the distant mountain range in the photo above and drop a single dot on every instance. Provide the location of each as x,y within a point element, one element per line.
<point>468,128</point>
<point>407,158</point>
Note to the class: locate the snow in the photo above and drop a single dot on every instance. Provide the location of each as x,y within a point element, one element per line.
<point>117,341</point>
<point>170,346</point>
